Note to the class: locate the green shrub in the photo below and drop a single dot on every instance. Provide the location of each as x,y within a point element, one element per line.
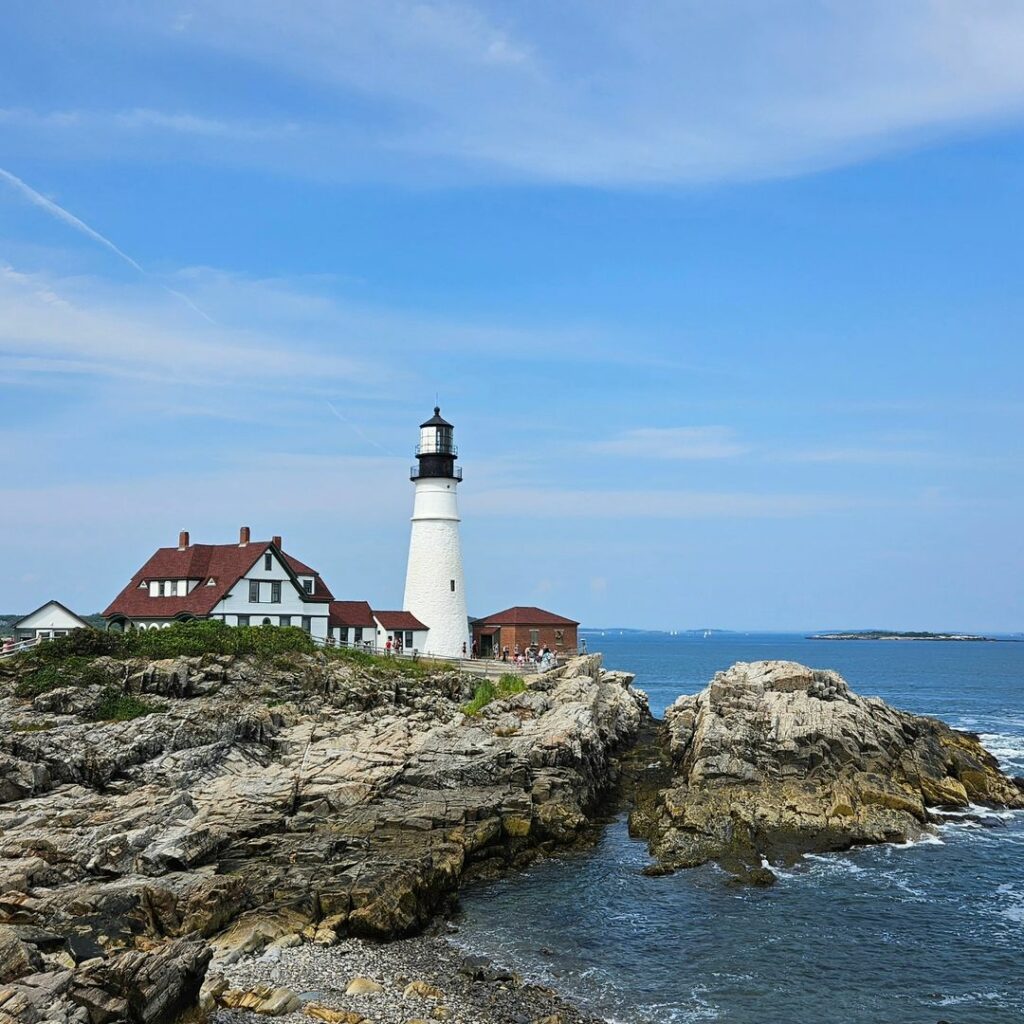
<point>75,670</point>
<point>46,677</point>
<point>80,643</point>
<point>183,639</point>
<point>208,636</point>
<point>487,691</point>
<point>116,706</point>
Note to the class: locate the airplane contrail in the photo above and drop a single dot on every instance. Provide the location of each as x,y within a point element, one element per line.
<point>352,426</point>
<point>38,199</point>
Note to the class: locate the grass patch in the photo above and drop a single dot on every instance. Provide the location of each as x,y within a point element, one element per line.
<point>419,669</point>
<point>116,706</point>
<point>488,691</point>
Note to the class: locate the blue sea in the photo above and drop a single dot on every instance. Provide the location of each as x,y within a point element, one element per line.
<point>912,934</point>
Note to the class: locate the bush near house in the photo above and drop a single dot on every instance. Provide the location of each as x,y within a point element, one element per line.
<point>183,639</point>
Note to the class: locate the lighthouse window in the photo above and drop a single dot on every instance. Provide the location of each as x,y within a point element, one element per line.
<point>452,582</point>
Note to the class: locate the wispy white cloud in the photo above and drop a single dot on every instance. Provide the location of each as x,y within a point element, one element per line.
<point>587,91</point>
<point>595,91</point>
<point>554,503</point>
<point>144,119</point>
<point>866,456</point>
<point>713,442</point>
<point>84,326</point>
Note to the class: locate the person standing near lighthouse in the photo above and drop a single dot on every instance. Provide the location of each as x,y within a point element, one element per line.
<point>434,584</point>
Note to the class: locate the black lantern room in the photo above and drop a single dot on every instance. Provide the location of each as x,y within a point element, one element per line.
<point>436,453</point>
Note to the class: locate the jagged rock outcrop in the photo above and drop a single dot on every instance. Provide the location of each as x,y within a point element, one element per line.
<point>303,796</point>
<point>774,759</point>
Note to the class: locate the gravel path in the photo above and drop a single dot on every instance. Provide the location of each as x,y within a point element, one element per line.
<point>421,979</point>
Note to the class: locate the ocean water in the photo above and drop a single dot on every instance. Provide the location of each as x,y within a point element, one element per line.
<point>912,934</point>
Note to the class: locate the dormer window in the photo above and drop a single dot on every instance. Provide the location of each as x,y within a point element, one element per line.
<point>211,582</point>
<point>307,585</point>
<point>143,585</point>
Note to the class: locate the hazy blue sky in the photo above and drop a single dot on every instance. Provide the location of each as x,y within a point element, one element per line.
<point>725,300</point>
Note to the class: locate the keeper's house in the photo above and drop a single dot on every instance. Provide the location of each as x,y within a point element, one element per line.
<point>526,627</point>
<point>251,583</point>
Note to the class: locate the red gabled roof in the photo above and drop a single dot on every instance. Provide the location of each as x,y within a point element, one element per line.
<point>398,620</point>
<point>320,589</point>
<point>223,564</point>
<point>350,613</point>
<point>526,615</point>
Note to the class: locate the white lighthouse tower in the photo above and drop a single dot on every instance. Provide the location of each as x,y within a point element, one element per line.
<point>434,584</point>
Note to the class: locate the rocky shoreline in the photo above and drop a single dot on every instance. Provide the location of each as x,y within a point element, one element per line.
<point>256,800</point>
<point>423,978</point>
<point>774,760</point>
<point>241,834</point>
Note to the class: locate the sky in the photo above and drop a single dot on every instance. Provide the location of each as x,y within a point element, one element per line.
<point>724,300</point>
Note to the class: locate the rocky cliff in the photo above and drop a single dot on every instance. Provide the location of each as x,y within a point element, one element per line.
<point>296,796</point>
<point>774,759</point>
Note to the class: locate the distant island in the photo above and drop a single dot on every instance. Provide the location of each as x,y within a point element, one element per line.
<point>887,634</point>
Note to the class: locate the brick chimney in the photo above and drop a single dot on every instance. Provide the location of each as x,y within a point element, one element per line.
<point>243,536</point>
<point>276,541</point>
<point>183,540</point>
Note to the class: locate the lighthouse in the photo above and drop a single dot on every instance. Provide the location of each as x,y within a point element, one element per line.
<point>434,586</point>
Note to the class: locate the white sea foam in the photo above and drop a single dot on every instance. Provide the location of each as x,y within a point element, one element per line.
<point>925,839</point>
<point>1007,747</point>
<point>964,998</point>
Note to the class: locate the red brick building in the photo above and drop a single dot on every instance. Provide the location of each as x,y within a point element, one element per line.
<point>526,627</point>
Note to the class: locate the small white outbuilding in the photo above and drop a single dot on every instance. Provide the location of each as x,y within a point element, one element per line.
<point>50,620</point>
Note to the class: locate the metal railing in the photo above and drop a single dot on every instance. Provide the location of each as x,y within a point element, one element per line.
<point>415,472</point>
<point>8,650</point>
<point>473,666</point>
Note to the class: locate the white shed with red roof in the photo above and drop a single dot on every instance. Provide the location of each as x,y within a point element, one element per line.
<point>403,629</point>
